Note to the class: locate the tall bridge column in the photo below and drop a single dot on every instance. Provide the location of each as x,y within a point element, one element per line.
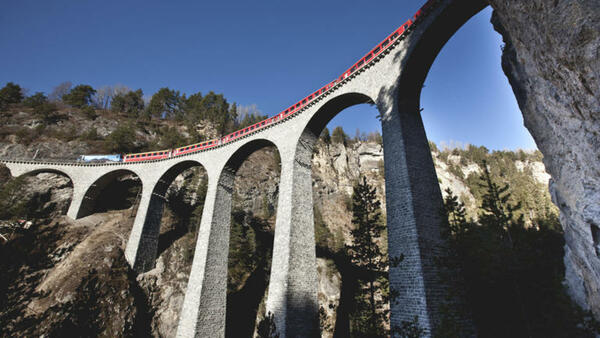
<point>142,245</point>
<point>203,312</point>
<point>293,285</point>
<point>414,219</point>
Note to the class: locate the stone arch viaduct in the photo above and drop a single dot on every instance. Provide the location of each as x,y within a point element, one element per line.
<point>393,83</point>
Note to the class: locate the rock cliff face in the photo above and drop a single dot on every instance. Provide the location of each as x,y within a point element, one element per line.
<point>552,60</point>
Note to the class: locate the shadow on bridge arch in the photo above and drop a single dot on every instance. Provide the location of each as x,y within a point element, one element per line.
<point>249,183</point>
<point>39,176</point>
<point>115,190</point>
<point>172,210</point>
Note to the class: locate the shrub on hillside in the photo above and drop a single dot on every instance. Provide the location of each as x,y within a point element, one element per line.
<point>89,112</point>
<point>121,140</point>
<point>47,112</point>
<point>35,100</point>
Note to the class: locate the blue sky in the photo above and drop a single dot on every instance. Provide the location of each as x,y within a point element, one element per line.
<point>268,53</point>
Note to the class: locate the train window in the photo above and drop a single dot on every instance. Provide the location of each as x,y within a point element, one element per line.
<point>298,105</point>
<point>304,101</point>
<point>384,43</point>
<point>310,97</point>
<point>368,56</point>
<point>360,63</point>
<point>352,69</point>
<point>395,35</point>
<point>376,50</point>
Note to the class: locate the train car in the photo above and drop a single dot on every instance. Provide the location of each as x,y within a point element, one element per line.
<point>153,155</point>
<point>100,158</point>
<point>192,148</point>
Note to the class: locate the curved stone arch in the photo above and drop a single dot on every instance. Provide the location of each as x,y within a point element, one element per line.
<point>413,196</point>
<point>425,45</point>
<point>331,108</point>
<point>237,157</point>
<point>51,171</point>
<point>204,307</point>
<point>292,296</point>
<point>142,246</point>
<point>88,200</point>
<point>46,170</point>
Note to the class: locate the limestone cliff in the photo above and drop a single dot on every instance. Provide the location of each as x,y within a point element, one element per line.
<point>552,60</point>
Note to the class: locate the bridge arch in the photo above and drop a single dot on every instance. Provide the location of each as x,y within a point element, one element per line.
<point>145,239</point>
<point>46,170</point>
<point>330,109</point>
<point>249,234</point>
<point>413,196</point>
<point>425,48</point>
<point>292,294</point>
<point>237,158</point>
<point>206,306</point>
<point>63,205</point>
<point>90,196</point>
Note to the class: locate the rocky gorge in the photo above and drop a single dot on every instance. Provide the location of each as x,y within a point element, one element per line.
<point>151,301</point>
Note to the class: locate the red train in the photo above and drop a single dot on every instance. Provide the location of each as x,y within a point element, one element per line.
<point>362,62</point>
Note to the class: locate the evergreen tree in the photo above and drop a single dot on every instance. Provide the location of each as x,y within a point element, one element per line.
<point>497,211</point>
<point>131,103</point>
<point>513,274</point>
<point>325,136</point>
<point>454,210</point>
<point>35,100</point>
<point>166,103</point>
<point>366,254</point>
<point>9,94</point>
<point>339,136</point>
<point>79,96</point>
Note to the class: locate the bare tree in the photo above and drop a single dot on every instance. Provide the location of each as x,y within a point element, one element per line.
<point>60,90</point>
<point>120,89</point>
<point>102,97</point>
<point>245,112</point>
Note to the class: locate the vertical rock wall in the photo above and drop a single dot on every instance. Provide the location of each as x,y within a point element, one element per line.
<point>552,61</point>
